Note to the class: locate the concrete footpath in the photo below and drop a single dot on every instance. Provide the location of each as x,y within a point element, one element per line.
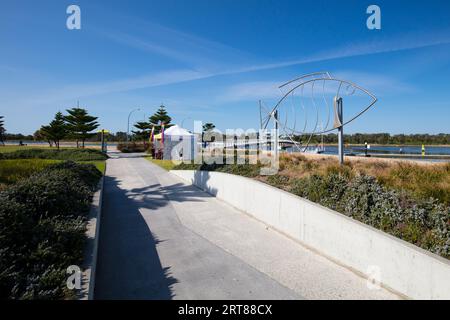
<point>163,239</point>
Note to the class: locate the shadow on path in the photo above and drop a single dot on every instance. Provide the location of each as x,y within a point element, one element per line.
<point>128,264</point>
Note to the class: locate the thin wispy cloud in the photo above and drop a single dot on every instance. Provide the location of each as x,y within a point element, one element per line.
<point>149,46</point>
<point>268,90</point>
<point>95,89</point>
<point>185,75</point>
<point>250,91</point>
<point>379,83</point>
<point>191,49</point>
<point>400,43</point>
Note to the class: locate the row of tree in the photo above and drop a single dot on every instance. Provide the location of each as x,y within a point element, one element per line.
<point>77,125</point>
<point>383,138</point>
<point>154,122</point>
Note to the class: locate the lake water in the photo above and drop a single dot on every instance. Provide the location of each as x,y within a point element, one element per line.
<point>386,149</point>
<point>431,150</point>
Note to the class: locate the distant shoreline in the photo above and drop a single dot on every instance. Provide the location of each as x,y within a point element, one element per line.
<point>311,144</point>
<point>390,145</point>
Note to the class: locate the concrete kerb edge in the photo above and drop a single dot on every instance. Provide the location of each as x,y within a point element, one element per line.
<point>91,251</point>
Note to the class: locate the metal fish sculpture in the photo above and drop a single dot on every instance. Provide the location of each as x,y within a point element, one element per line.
<point>309,106</point>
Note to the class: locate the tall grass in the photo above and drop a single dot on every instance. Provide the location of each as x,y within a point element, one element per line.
<point>165,164</point>
<point>63,154</point>
<point>422,181</point>
<point>12,171</point>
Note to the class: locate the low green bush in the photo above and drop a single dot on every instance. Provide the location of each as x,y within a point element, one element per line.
<point>63,154</point>
<point>424,223</point>
<point>187,166</point>
<point>278,181</point>
<point>42,230</point>
<point>87,173</point>
<point>128,147</point>
<point>246,170</point>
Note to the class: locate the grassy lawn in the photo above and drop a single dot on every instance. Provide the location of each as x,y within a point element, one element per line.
<point>12,148</point>
<point>14,170</point>
<point>5,149</point>
<point>165,164</point>
<point>101,165</point>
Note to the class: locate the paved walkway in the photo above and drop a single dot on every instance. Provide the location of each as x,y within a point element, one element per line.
<point>163,239</point>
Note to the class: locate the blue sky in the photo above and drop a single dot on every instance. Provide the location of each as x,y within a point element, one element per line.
<point>213,60</point>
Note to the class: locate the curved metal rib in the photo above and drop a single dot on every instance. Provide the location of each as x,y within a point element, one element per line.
<point>317,117</point>
<point>374,99</point>
<point>327,106</point>
<point>300,83</point>
<point>326,73</point>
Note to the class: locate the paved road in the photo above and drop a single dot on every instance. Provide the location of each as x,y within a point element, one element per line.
<point>163,239</point>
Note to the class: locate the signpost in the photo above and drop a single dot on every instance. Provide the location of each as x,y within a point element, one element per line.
<point>103,132</point>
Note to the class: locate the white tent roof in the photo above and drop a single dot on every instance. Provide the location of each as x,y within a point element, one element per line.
<point>175,130</point>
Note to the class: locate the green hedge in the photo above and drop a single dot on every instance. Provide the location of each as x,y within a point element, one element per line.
<point>63,154</point>
<point>128,147</point>
<point>245,170</point>
<point>42,230</point>
<point>425,223</point>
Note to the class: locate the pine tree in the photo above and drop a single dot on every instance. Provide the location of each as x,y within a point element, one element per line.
<point>80,125</point>
<point>2,130</point>
<point>160,117</point>
<point>56,130</point>
<point>143,131</point>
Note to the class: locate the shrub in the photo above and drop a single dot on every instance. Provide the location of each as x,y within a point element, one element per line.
<point>423,223</point>
<point>187,166</point>
<point>246,170</point>
<point>327,190</point>
<point>132,147</point>
<point>88,173</point>
<point>278,181</point>
<point>63,154</point>
<point>421,180</point>
<point>42,226</point>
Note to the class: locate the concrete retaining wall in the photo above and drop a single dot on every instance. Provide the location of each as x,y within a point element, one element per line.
<point>400,266</point>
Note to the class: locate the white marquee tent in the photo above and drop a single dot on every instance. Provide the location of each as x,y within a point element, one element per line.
<point>179,144</point>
